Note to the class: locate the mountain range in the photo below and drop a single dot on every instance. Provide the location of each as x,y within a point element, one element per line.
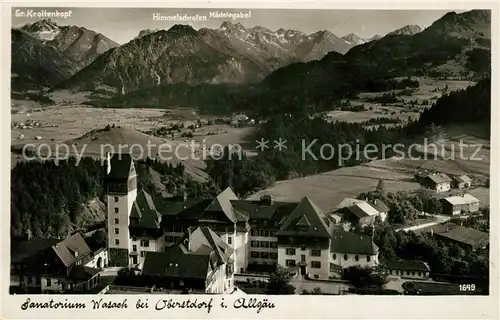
<point>44,53</point>
<point>456,46</point>
<point>231,54</point>
<point>235,55</point>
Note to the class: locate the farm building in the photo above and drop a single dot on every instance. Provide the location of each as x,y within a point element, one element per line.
<point>463,236</point>
<point>408,269</point>
<point>362,212</point>
<point>460,204</point>
<point>438,182</point>
<point>461,182</point>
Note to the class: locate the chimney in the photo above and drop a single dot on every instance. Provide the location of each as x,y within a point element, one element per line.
<point>108,163</point>
<point>267,200</point>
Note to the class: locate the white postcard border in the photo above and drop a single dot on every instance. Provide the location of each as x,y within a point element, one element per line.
<point>293,307</point>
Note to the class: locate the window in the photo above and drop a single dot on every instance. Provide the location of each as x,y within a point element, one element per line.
<point>254,233</point>
<point>303,247</point>
<point>368,258</point>
<point>143,253</point>
<point>264,244</point>
<point>413,273</point>
<point>316,264</point>
<point>117,221</point>
<point>116,210</point>
<point>254,244</point>
<point>117,231</point>
<point>334,256</point>
<point>356,257</point>
<point>145,243</point>
<point>264,255</point>
<point>117,241</point>
<point>290,263</point>
<point>273,245</point>
<point>303,257</point>
<point>290,251</point>
<point>229,240</point>
<point>29,279</point>
<point>254,254</point>
<point>49,282</point>
<point>419,273</point>
<point>345,257</point>
<point>316,253</point>
<point>116,199</point>
<point>134,248</point>
<point>274,255</point>
<point>264,233</point>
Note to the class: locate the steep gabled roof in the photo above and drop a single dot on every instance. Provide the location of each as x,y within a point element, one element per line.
<point>209,238</point>
<point>350,242</point>
<point>222,203</point>
<point>176,262</point>
<point>122,166</point>
<point>145,209</point>
<point>305,209</point>
<point>71,249</point>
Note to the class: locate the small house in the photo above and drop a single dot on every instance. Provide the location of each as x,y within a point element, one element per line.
<point>460,204</point>
<point>438,182</point>
<point>462,182</point>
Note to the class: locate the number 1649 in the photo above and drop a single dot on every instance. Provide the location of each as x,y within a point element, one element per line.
<point>467,287</point>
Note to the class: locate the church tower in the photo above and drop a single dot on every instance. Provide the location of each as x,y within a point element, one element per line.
<point>121,192</point>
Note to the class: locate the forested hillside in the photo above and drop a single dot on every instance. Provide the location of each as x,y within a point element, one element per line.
<point>48,200</point>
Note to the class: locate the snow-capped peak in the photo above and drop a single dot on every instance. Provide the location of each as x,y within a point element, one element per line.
<point>354,39</point>
<point>45,29</point>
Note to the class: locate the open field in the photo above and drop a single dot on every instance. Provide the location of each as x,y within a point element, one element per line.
<point>81,128</point>
<point>328,189</point>
<point>404,108</point>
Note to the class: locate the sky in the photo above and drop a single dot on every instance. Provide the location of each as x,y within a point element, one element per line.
<point>123,24</point>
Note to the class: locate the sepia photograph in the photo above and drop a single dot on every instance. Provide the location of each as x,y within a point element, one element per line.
<point>247,152</point>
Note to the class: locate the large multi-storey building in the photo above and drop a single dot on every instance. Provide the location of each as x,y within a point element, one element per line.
<point>258,232</point>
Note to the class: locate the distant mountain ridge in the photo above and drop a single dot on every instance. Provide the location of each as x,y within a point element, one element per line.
<point>35,65</point>
<point>230,54</point>
<point>235,55</point>
<point>78,43</point>
<point>44,54</point>
<point>408,30</point>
